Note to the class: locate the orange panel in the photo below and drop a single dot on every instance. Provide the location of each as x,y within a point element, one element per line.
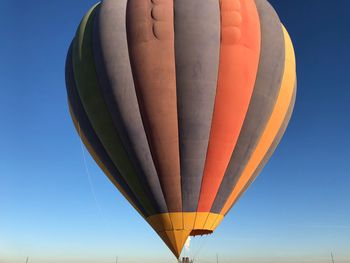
<point>175,238</point>
<point>276,120</point>
<point>239,59</point>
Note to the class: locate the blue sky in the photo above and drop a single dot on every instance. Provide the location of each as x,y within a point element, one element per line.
<point>298,210</point>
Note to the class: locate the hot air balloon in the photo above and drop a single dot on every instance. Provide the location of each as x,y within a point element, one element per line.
<point>181,103</point>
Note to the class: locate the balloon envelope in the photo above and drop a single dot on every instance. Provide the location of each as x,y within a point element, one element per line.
<point>181,103</point>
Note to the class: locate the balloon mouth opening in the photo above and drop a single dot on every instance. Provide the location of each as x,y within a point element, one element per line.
<point>200,232</point>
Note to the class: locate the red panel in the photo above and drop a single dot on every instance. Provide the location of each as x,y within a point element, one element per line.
<point>239,58</point>
<point>150,29</point>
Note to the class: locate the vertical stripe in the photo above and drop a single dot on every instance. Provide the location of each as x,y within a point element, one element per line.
<point>122,187</point>
<point>267,86</point>
<point>150,33</point>
<point>271,149</point>
<point>239,57</point>
<point>197,46</point>
<point>97,112</point>
<point>275,122</point>
<point>115,78</point>
<point>90,139</point>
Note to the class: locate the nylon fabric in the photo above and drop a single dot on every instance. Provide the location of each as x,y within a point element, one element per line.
<point>112,61</point>
<point>97,112</point>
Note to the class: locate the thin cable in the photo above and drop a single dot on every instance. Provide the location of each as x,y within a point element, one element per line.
<point>92,189</point>
<point>200,248</point>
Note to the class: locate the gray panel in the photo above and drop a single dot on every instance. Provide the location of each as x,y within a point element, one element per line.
<point>267,86</point>
<point>88,131</point>
<point>97,111</point>
<point>116,82</point>
<point>271,149</point>
<point>197,46</point>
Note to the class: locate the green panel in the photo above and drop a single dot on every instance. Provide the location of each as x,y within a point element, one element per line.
<point>96,109</point>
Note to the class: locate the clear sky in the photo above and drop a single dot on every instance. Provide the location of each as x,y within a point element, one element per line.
<point>298,210</point>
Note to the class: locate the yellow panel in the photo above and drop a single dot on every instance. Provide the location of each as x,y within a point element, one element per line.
<point>189,218</point>
<point>280,110</point>
<point>201,218</point>
<point>176,220</point>
<point>210,220</point>
<point>160,222</point>
<point>178,239</point>
<point>217,222</point>
<point>185,235</point>
<point>188,221</point>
